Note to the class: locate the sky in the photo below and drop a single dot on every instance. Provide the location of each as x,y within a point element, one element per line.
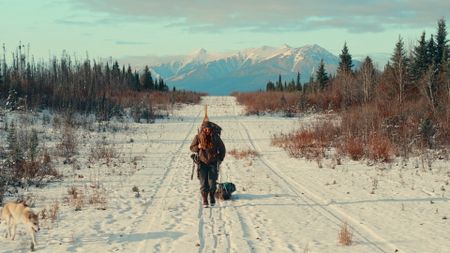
<point>119,28</point>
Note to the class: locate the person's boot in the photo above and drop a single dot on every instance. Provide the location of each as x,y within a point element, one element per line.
<point>212,200</point>
<point>205,199</point>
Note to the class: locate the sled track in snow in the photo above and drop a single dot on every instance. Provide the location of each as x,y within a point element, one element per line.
<point>219,226</point>
<point>161,191</point>
<point>334,214</point>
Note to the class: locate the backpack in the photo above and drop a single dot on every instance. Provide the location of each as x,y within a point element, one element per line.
<point>224,190</point>
<point>217,130</point>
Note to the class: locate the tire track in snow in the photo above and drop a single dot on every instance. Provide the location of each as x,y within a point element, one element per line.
<point>318,203</point>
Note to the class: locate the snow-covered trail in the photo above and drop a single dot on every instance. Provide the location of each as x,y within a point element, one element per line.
<point>281,204</point>
<point>270,212</point>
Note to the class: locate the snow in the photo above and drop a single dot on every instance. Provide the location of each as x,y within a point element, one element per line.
<point>281,204</point>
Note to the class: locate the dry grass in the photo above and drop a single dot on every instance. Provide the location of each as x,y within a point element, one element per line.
<point>36,171</point>
<point>99,199</point>
<point>51,213</point>
<point>269,102</point>
<point>345,236</point>
<point>380,148</point>
<point>353,147</point>
<point>369,131</point>
<point>309,143</point>
<point>103,150</point>
<point>76,198</point>
<point>68,145</point>
<point>241,154</point>
<point>54,211</point>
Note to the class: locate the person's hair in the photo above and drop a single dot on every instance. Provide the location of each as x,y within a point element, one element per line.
<point>206,140</point>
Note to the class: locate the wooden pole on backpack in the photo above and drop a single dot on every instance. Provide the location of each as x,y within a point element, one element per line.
<point>205,119</point>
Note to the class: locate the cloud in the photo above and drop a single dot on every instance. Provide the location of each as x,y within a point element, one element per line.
<point>282,15</point>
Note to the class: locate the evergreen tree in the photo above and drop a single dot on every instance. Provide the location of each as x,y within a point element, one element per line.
<point>15,154</point>
<point>322,76</point>
<point>279,86</point>
<point>420,55</point>
<point>367,73</point>
<point>161,85</point>
<point>129,78</point>
<point>147,80</point>
<point>345,65</point>
<point>1,78</point>
<point>115,72</point>
<point>298,84</point>
<point>107,75</point>
<point>136,82</point>
<point>431,51</point>
<point>34,143</point>
<point>400,68</point>
<point>291,86</point>
<point>305,87</point>
<point>441,42</point>
<point>270,86</point>
<point>12,100</point>
<point>444,80</point>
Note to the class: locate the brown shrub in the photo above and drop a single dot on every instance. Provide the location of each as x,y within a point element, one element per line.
<point>309,143</point>
<point>353,147</point>
<point>54,210</point>
<point>243,153</point>
<point>35,171</point>
<point>345,236</point>
<point>68,145</point>
<point>361,121</point>
<point>269,102</point>
<point>76,198</point>
<point>103,151</point>
<point>380,148</point>
<point>99,199</point>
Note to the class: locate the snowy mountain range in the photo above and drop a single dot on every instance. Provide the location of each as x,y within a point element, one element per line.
<point>245,70</point>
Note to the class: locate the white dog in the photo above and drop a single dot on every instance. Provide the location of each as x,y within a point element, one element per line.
<point>14,213</point>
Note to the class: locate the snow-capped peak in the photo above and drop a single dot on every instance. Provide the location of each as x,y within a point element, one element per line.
<point>198,56</point>
<point>252,66</point>
<point>286,46</point>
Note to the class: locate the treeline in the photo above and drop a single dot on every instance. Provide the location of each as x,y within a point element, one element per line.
<point>68,84</point>
<point>278,85</point>
<point>406,105</point>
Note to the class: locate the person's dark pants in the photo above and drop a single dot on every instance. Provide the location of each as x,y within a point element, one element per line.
<point>207,174</point>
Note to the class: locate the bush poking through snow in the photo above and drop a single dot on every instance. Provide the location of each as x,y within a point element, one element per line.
<point>309,143</point>
<point>354,148</point>
<point>103,150</point>
<point>99,199</point>
<point>241,154</point>
<point>345,235</point>
<point>76,198</point>
<point>53,211</point>
<point>69,144</point>
<point>50,213</point>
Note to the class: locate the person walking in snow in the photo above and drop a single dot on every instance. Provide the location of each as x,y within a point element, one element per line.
<point>211,152</point>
